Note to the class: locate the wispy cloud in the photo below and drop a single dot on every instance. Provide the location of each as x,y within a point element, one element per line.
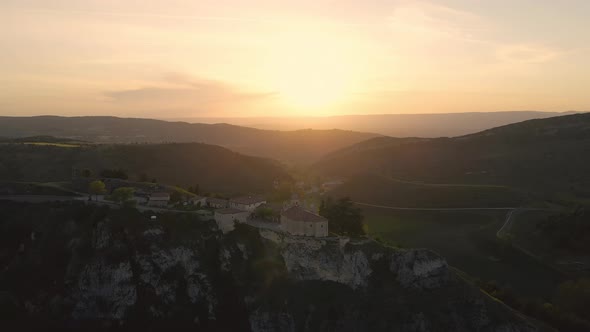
<point>185,91</point>
<point>429,19</point>
<point>526,53</point>
<point>423,22</point>
<point>143,15</point>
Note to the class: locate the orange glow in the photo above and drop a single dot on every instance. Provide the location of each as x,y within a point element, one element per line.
<point>312,71</point>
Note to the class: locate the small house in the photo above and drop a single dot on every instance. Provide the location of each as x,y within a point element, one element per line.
<point>226,218</point>
<point>246,203</point>
<point>216,203</point>
<point>298,221</point>
<point>160,199</point>
<point>198,200</point>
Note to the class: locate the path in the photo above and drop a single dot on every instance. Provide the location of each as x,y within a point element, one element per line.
<point>507,224</point>
<point>40,198</point>
<point>436,209</point>
<point>84,199</point>
<point>427,184</point>
<point>264,224</point>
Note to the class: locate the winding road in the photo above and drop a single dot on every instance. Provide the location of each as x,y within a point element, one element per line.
<point>436,209</point>
<point>505,226</point>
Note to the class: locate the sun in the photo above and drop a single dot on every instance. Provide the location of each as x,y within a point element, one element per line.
<point>313,79</point>
<point>314,71</point>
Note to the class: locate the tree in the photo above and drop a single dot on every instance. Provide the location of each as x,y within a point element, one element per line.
<point>263,212</point>
<point>175,196</point>
<point>282,192</point>
<point>343,216</point>
<point>96,188</point>
<point>86,173</point>
<point>194,190</point>
<point>143,177</point>
<point>574,296</point>
<point>114,173</point>
<point>123,195</point>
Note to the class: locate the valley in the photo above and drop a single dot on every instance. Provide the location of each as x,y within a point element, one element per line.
<point>475,200</point>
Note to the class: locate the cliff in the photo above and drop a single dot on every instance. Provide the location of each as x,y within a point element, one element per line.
<point>74,266</point>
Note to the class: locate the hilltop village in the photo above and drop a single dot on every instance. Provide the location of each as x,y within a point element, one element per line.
<point>292,216</point>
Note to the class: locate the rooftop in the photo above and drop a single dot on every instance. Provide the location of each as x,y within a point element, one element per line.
<point>247,200</point>
<point>216,200</point>
<point>300,214</point>
<point>160,196</point>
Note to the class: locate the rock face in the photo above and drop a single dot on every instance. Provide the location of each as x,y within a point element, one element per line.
<point>350,263</point>
<point>104,291</point>
<point>107,269</point>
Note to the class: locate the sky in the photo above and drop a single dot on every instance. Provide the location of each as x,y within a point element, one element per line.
<point>237,58</point>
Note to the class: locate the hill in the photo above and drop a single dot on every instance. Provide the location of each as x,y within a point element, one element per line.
<point>293,146</point>
<point>547,155</point>
<point>213,168</point>
<point>397,125</point>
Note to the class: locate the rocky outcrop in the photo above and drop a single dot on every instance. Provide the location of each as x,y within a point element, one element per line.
<point>104,291</point>
<point>347,262</point>
<point>182,273</point>
<point>420,269</point>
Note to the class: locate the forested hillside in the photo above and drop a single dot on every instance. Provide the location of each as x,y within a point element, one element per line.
<point>550,155</point>
<point>186,164</point>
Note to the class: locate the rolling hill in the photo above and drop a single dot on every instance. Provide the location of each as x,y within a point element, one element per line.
<point>213,168</point>
<point>548,155</point>
<point>291,146</point>
<point>397,125</point>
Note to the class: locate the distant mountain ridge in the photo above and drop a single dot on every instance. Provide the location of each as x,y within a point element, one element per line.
<point>397,125</point>
<point>294,146</point>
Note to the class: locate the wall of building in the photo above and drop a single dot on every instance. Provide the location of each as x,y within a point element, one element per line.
<point>217,206</point>
<point>203,202</point>
<point>157,203</point>
<point>225,222</point>
<point>300,228</point>
<point>245,207</point>
<point>321,229</point>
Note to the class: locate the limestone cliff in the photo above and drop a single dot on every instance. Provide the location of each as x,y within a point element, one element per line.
<point>101,269</point>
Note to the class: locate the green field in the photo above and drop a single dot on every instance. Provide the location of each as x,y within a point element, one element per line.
<point>526,233</point>
<point>382,190</point>
<point>36,188</point>
<point>467,240</point>
<point>61,145</point>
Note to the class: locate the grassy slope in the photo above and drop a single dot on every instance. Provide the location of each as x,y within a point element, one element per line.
<point>382,190</point>
<point>548,156</point>
<point>468,241</point>
<point>558,246</point>
<point>33,188</point>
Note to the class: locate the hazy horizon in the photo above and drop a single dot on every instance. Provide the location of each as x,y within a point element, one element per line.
<point>183,59</point>
<point>396,125</point>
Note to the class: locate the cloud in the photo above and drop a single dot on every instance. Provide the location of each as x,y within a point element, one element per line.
<point>429,20</point>
<point>178,90</point>
<point>526,53</point>
<point>448,29</point>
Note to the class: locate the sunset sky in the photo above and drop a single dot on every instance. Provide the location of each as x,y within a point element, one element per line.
<point>173,58</point>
